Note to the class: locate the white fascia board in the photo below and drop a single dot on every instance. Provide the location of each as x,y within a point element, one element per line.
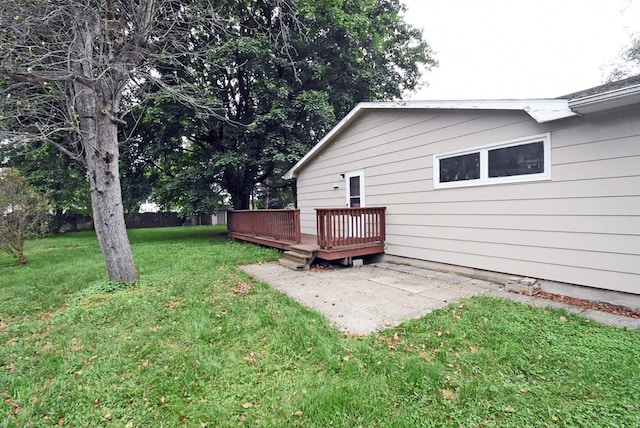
<point>541,110</point>
<point>606,100</point>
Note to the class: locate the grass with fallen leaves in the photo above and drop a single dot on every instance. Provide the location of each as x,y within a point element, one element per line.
<point>196,342</point>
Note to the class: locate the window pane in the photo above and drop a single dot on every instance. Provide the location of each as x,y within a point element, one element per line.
<point>354,186</point>
<point>460,168</point>
<point>517,160</point>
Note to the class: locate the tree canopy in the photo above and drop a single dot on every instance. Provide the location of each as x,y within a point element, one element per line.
<point>275,103</point>
<point>628,64</point>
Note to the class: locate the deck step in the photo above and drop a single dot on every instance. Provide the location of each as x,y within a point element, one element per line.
<point>302,248</point>
<point>293,265</point>
<point>299,257</point>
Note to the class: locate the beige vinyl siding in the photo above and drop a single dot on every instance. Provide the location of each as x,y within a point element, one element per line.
<point>581,227</point>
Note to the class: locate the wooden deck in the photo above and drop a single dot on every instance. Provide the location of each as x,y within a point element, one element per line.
<point>342,232</point>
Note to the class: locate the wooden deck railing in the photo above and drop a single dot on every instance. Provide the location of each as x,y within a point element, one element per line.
<point>281,225</point>
<point>338,227</point>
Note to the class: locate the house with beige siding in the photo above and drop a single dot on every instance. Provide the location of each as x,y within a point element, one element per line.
<point>540,188</point>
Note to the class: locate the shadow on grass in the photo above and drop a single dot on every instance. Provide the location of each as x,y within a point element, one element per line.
<point>190,233</point>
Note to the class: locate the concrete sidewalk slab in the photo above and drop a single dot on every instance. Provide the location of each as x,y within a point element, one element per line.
<point>364,299</point>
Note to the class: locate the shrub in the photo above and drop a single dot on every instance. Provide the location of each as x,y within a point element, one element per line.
<point>23,213</point>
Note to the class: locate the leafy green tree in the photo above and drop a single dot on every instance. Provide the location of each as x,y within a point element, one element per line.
<point>271,112</point>
<point>23,213</point>
<point>55,175</point>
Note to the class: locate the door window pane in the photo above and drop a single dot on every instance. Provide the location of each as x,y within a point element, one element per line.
<point>354,191</point>
<point>460,168</point>
<point>517,160</point>
<point>354,186</point>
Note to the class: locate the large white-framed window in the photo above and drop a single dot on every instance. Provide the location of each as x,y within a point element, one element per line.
<point>518,160</point>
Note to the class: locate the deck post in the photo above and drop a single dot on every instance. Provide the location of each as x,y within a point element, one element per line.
<point>296,226</point>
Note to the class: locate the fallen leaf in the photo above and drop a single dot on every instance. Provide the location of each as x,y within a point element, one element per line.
<point>447,394</point>
<point>553,417</point>
<point>426,356</point>
<point>243,289</point>
<point>250,360</point>
<point>563,319</point>
<point>172,304</point>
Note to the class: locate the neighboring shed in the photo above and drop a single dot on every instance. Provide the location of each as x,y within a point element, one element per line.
<point>548,189</point>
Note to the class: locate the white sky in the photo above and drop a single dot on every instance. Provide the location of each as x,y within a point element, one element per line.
<point>502,49</point>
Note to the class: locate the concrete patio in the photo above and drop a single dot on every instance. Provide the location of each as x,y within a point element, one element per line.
<point>364,299</point>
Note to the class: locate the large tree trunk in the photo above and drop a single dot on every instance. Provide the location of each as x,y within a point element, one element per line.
<point>240,198</point>
<point>96,102</point>
<point>106,204</point>
<point>101,152</point>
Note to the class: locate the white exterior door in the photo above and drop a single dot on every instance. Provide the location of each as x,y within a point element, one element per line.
<point>355,199</point>
<point>355,189</point>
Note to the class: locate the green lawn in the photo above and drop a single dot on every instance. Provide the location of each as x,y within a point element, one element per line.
<point>197,343</point>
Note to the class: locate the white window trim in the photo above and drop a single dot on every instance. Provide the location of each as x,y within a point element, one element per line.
<point>484,163</point>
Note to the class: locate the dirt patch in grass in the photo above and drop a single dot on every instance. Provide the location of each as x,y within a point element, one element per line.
<point>590,304</point>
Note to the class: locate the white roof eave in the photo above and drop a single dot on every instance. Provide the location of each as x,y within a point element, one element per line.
<point>541,110</point>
